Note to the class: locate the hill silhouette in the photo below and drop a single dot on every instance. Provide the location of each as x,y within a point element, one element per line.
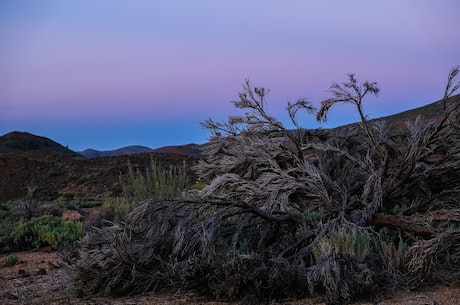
<point>127,150</point>
<point>191,150</point>
<point>430,112</point>
<point>17,141</point>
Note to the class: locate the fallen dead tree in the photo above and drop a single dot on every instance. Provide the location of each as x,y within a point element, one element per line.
<point>286,214</point>
<point>226,249</point>
<point>417,225</point>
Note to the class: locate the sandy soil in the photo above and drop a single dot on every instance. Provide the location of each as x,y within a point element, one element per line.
<point>38,278</point>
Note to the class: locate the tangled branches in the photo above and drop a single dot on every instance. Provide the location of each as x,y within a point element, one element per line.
<point>295,212</point>
<point>227,249</point>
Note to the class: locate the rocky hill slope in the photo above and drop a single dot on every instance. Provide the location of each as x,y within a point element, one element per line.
<point>69,176</point>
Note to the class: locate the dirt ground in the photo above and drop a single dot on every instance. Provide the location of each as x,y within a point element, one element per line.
<point>38,278</point>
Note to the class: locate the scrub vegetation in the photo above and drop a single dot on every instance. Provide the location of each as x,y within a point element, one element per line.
<point>29,223</point>
<point>158,181</point>
<point>295,212</point>
<point>25,225</point>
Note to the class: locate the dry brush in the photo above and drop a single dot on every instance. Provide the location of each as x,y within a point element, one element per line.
<point>293,212</point>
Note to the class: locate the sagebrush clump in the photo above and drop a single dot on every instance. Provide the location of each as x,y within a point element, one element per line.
<point>11,260</point>
<point>294,212</point>
<point>47,230</point>
<point>157,181</point>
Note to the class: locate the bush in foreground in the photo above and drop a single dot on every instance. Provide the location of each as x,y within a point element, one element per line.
<point>296,212</point>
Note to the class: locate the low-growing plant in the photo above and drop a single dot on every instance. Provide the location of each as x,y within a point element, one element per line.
<point>11,260</point>
<point>47,230</point>
<point>116,208</point>
<point>316,216</point>
<point>349,242</point>
<point>30,205</point>
<point>57,232</point>
<point>156,181</point>
<point>10,217</point>
<point>394,254</point>
<point>89,203</point>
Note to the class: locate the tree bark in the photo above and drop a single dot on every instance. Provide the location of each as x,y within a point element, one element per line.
<point>416,224</point>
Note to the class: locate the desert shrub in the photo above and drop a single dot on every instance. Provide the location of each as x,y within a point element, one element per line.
<point>57,232</point>
<point>350,242</point>
<point>10,216</point>
<point>156,181</point>
<point>85,203</point>
<point>30,205</point>
<point>46,230</point>
<point>11,260</point>
<point>22,227</point>
<point>116,208</point>
<point>291,212</point>
<point>315,216</point>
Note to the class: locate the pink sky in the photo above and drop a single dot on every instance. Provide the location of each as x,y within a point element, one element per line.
<point>106,74</point>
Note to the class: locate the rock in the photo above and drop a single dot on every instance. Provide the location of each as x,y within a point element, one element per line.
<point>71,215</point>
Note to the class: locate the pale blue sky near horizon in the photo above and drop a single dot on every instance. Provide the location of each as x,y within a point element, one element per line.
<point>105,74</point>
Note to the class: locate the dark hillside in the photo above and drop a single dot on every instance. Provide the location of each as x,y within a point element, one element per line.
<point>191,150</point>
<point>56,175</point>
<point>15,142</point>
<point>396,123</point>
<point>433,111</point>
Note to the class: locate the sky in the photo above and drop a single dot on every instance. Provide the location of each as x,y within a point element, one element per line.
<point>105,74</point>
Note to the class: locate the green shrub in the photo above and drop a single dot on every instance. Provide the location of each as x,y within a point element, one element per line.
<point>394,254</point>
<point>56,232</point>
<point>351,242</point>
<point>116,208</point>
<point>394,249</point>
<point>157,181</point>
<point>11,260</point>
<point>315,215</point>
<point>47,231</point>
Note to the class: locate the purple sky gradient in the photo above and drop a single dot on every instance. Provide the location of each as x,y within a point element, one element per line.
<point>106,74</point>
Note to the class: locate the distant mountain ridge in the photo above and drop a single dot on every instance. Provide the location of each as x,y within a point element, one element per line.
<point>17,142</point>
<point>127,150</point>
<point>192,150</point>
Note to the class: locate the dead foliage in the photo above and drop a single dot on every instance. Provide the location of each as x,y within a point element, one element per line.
<point>292,212</point>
